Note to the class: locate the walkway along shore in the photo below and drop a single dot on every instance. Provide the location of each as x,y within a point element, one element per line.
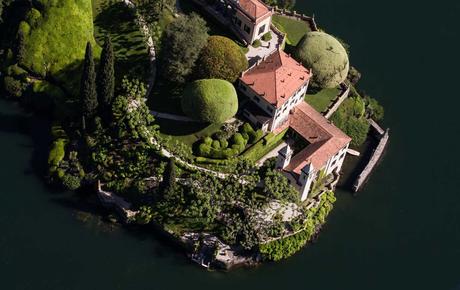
<point>376,156</point>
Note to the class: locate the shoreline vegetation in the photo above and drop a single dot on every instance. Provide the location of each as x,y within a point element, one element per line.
<point>211,185</point>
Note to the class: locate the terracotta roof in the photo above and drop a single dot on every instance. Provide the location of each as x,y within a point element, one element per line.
<point>277,78</point>
<point>254,8</point>
<point>325,139</point>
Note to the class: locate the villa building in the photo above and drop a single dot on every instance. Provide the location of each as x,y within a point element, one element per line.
<point>252,18</point>
<point>276,88</point>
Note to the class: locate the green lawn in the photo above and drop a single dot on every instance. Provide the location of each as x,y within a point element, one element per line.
<point>295,29</point>
<point>186,132</point>
<point>115,19</point>
<point>264,146</point>
<point>322,99</point>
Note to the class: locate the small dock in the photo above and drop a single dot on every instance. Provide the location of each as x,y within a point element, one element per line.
<point>376,156</point>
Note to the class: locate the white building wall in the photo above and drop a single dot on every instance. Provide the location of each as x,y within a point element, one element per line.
<point>242,21</point>
<point>282,113</point>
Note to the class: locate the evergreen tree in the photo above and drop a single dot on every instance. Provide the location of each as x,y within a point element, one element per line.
<point>169,179</point>
<point>20,48</point>
<point>106,78</point>
<point>88,86</point>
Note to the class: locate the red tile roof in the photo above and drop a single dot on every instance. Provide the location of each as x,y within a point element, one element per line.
<point>277,78</point>
<point>254,8</point>
<point>325,139</point>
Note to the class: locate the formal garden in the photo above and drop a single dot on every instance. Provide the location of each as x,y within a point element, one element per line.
<point>91,78</point>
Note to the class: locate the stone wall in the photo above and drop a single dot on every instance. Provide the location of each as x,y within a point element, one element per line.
<point>293,14</point>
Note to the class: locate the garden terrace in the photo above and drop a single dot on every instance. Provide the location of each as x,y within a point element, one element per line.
<point>322,99</point>
<point>294,28</point>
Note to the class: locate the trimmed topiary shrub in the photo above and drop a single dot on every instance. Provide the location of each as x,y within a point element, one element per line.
<point>267,36</point>
<point>326,56</point>
<point>221,58</point>
<point>210,101</point>
<point>13,87</point>
<point>256,43</point>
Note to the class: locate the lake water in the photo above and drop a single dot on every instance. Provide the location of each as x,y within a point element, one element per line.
<point>401,232</point>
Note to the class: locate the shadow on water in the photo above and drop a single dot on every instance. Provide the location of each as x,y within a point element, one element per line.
<point>37,128</point>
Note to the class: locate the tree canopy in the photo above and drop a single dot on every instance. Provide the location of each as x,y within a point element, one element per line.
<point>182,43</point>
<point>326,56</point>
<point>106,78</point>
<point>221,58</point>
<point>210,101</point>
<point>55,37</point>
<point>88,86</point>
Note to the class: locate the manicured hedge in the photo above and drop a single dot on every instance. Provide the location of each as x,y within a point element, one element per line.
<point>326,56</point>
<point>210,101</point>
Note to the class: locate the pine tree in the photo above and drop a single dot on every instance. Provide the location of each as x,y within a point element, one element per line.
<point>88,86</point>
<point>106,78</point>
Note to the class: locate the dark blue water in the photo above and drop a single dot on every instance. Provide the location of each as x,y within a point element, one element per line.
<point>401,232</point>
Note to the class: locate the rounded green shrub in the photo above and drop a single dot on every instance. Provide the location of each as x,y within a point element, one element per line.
<point>216,144</point>
<point>221,58</point>
<point>326,56</point>
<point>71,182</point>
<point>13,87</point>
<point>210,100</point>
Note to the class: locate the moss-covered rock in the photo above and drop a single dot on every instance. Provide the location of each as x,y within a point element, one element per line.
<point>326,56</point>
<point>210,101</point>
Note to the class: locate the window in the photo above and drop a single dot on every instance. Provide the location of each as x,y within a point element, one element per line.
<point>262,30</point>
<point>238,21</point>
<point>247,29</point>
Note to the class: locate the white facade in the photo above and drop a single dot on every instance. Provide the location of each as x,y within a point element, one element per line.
<point>250,29</point>
<point>309,174</point>
<point>282,113</point>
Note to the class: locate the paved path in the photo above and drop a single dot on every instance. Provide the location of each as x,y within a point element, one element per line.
<point>271,154</point>
<point>266,49</point>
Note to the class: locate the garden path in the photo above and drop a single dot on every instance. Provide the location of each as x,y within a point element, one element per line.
<point>267,48</point>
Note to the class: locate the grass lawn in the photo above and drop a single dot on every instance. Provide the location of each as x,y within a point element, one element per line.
<point>295,29</point>
<point>264,146</point>
<point>115,19</point>
<point>186,132</point>
<point>322,99</point>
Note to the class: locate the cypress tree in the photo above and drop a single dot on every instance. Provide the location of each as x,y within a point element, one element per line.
<point>169,179</point>
<point>106,78</point>
<point>88,86</point>
<point>20,48</point>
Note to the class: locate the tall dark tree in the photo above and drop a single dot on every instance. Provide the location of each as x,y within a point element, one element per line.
<point>183,41</point>
<point>20,48</point>
<point>170,175</point>
<point>88,92</point>
<point>106,78</point>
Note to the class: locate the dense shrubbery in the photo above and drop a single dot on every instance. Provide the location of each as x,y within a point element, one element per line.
<point>286,247</point>
<point>278,187</point>
<point>351,120</point>
<point>210,101</point>
<point>326,56</point>
<point>221,58</point>
<point>225,148</point>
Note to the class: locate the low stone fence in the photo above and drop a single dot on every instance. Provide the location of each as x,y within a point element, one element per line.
<point>345,91</point>
<point>293,14</point>
<point>376,155</point>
